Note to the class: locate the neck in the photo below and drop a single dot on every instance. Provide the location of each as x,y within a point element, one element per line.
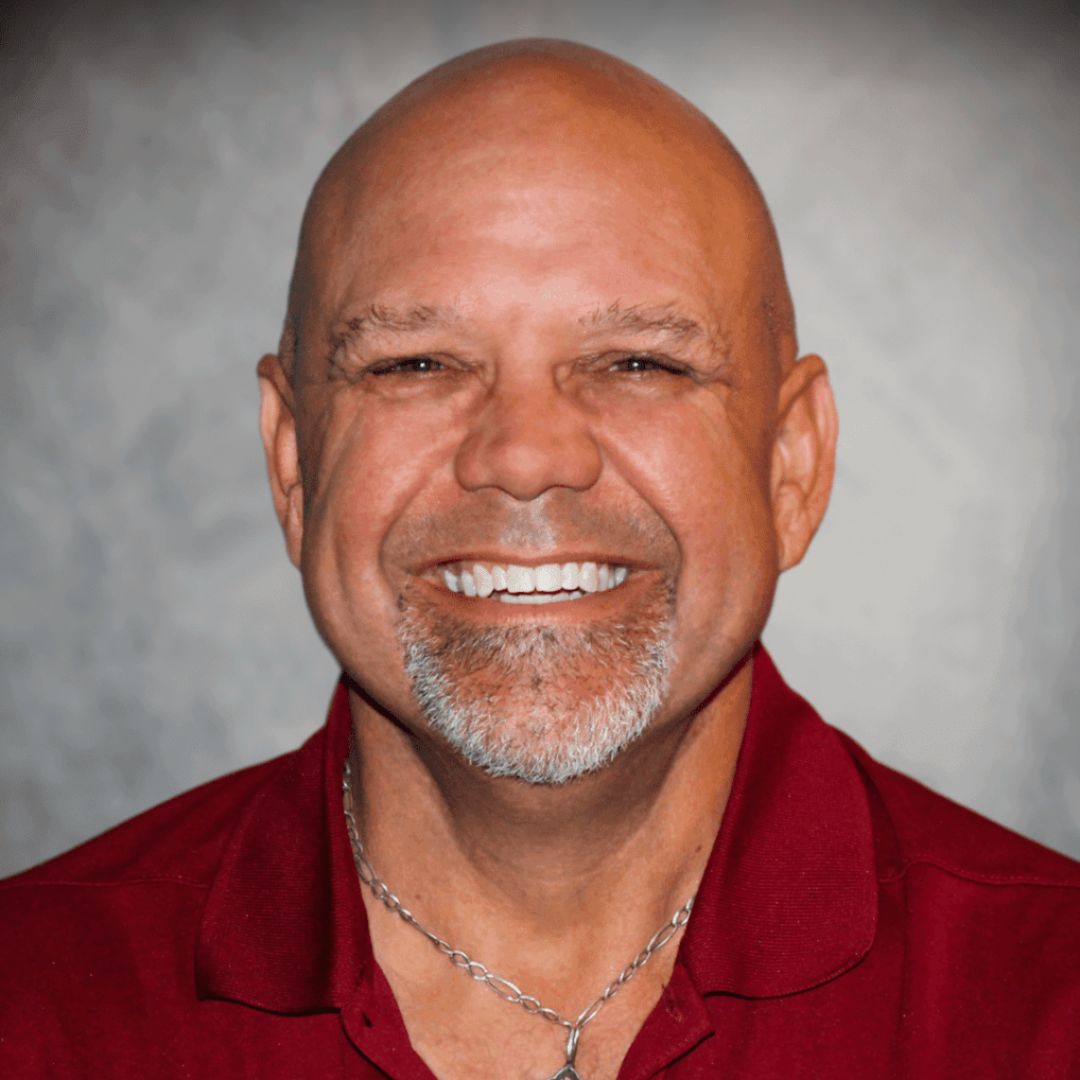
<point>547,862</point>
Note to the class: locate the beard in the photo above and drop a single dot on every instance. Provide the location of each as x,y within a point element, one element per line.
<point>539,702</point>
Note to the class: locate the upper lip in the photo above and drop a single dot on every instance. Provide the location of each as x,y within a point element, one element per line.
<point>558,558</point>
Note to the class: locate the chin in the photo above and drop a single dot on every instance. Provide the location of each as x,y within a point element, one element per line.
<point>540,703</point>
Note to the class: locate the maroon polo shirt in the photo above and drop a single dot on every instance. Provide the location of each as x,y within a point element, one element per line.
<point>851,924</point>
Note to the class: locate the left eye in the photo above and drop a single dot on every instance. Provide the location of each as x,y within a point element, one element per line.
<point>408,365</point>
<point>640,363</point>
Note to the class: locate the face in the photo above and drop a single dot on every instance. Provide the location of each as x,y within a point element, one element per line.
<point>534,419</point>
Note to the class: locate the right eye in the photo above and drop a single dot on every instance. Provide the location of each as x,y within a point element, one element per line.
<point>407,365</point>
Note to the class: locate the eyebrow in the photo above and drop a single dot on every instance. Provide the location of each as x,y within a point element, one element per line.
<point>379,318</point>
<point>663,320</point>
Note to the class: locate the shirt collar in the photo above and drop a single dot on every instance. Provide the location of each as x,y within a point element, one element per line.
<point>789,896</point>
<point>788,900</point>
<point>284,927</point>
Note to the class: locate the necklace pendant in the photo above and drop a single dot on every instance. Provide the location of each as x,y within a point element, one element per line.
<point>567,1072</point>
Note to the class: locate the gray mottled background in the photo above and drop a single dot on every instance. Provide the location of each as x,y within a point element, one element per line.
<point>923,162</point>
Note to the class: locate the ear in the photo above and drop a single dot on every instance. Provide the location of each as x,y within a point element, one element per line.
<point>803,458</point>
<point>277,425</point>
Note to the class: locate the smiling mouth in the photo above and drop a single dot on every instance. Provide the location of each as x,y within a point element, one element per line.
<point>548,584</point>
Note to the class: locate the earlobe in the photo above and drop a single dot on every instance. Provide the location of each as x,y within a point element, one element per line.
<point>803,459</point>
<point>277,426</point>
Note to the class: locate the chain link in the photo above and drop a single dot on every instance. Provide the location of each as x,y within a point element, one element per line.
<point>497,984</point>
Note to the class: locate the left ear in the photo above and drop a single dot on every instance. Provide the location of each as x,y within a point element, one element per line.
<point>803,457</point>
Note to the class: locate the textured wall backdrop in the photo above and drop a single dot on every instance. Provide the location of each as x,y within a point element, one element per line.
<point>923,163</point>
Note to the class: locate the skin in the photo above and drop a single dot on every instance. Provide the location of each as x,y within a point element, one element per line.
<point>526,197</point>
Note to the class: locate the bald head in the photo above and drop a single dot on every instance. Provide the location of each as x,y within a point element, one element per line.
<point>539,318</point>
<point>494,126</point>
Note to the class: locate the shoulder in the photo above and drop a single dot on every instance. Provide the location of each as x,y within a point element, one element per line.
<point>983,912</point>
<point>90,934</point>
<point>917,827</point>
<point>987,923</point>
<point>180,841</point>
<point>147,877</point>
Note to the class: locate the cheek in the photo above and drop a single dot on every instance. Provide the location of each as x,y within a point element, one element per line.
<point>373,465</point>
<point>709,483</point>
<point>703,471</point>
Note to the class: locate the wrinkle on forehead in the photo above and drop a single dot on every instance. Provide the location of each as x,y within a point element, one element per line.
<point>568,109</point>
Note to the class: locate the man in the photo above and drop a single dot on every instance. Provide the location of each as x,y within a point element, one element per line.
<point>540,443</point>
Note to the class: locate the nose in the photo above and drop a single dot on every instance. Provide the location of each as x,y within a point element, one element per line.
<point>527,439</point>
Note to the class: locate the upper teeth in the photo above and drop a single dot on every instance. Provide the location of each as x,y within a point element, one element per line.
<point>567,580</point>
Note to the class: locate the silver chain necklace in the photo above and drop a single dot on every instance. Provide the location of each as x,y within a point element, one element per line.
<point>504,988</point>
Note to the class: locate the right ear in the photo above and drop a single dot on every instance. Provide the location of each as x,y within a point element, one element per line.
<point>277,425</point>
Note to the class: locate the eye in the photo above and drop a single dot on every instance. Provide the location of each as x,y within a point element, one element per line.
<point>643,363</point>
<point>407,365</point>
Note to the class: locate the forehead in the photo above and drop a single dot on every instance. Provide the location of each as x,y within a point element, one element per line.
<point>528,207</point>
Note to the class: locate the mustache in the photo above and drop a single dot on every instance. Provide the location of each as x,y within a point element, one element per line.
<point>546,525</point>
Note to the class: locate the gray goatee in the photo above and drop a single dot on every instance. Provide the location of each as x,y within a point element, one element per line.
<point>539,702</point>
